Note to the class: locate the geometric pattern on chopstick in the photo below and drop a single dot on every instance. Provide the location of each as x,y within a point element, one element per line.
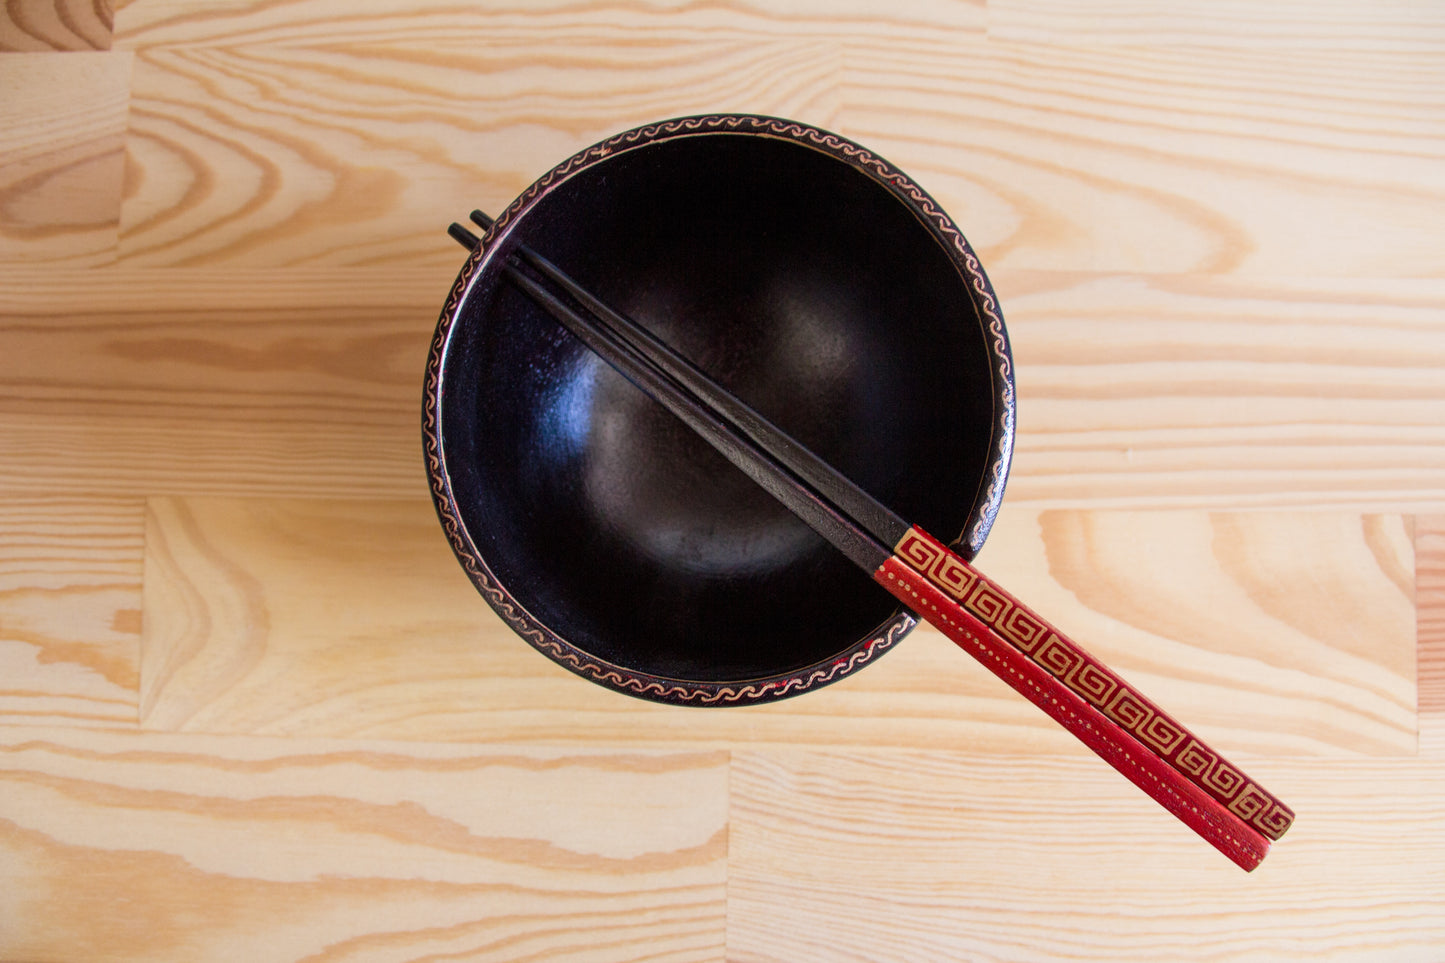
<point>1014,622</point>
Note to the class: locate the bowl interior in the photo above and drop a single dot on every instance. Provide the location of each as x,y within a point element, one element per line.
<point>803,285</point>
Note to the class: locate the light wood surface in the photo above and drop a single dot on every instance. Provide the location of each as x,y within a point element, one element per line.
<point>898,856</point>
<point>63,158</point>
<point>1430,628</point>
<point>59,25</point>
<point>351,618</point>
<point>126,847</point>
<point>251,708</point>
<point>1395,26</point>
<point>70,587</point>
<point>1143,390</point>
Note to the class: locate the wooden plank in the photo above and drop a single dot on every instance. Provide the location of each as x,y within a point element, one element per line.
<point>1135,390</point>
<point>70,611</point>
<point>870,855</point>
<point>154,23</point>
<point>1290,634</point>
<point>66,454</point>
<point>1138,391</point>
<point>1430,610</point>
<point>143,382</point>
<point>206,849</point>
<point>62,160</point>
<point>1106,159</point>
<point>1401,25</point>
<point>352,155</point>
<point>1261,163</point>
<point>41,25</point>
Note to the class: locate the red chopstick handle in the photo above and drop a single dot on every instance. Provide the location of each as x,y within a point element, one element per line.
<point>1104,712</point>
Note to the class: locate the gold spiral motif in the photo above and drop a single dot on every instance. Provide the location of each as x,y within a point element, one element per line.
<point>947,572</point>
<point>1275,821</point>
<point>1224,779</point>
<point>1250,803</point>
<point>988,603</point>
<point>952,576</point>
<point>1161,734</point>
<point>1093,683</point>
<point>1127,710</point>
<point>1022,629</point>
<point>1058,658</point>
<point>918,552</point>
<point>1195,759</point>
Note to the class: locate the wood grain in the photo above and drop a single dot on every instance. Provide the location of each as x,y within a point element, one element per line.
<point>62,159</point>
<point>70,611</point>
<point>171,23</point>
<point>1135,391</point>
<point>184,381</point>
<point>1215,232</point>
<point>352,619</point>
<point>1430,626</point>
<point>1141,390</point>
<point>1430,609</point>
<point>362,155</point>
<point>866,855</point>
<point>204,849</point>
<point>1401,25</point>
<point>42,25</point>
<point>1260,163</point>
<point>1050,158</point>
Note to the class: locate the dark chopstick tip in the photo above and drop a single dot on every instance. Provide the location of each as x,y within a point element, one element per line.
<point>464,237</point>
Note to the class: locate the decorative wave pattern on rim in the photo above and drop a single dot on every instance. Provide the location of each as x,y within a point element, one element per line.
<point>559,649</point>
<point>667,690</point>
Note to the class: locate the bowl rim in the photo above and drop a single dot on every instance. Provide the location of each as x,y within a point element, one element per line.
<point>694,692</point>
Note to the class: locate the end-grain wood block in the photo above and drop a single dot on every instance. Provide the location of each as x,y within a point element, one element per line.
<point>62,161</point>
<point>1289,634</point>
<point>41,25</point>
<point>873,855</point>
<point>70,611</point>
<point>149,382</point>
<point>1264,162</point>
<point>208,849</point>
<point>341,155</point>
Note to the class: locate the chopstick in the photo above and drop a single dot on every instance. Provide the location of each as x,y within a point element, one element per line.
<point>1146,745</point>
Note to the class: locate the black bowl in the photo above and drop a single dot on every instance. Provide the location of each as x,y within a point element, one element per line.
<point>807,276</point>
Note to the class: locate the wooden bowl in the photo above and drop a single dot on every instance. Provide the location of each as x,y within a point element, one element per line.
<point>810,278</point>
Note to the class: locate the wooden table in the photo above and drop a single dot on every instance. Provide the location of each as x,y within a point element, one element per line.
<point>251,708</point>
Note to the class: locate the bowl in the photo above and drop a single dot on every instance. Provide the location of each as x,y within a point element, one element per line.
<point>806,275</point>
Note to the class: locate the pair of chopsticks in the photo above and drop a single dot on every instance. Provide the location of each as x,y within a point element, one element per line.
<point>1150,748</point>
